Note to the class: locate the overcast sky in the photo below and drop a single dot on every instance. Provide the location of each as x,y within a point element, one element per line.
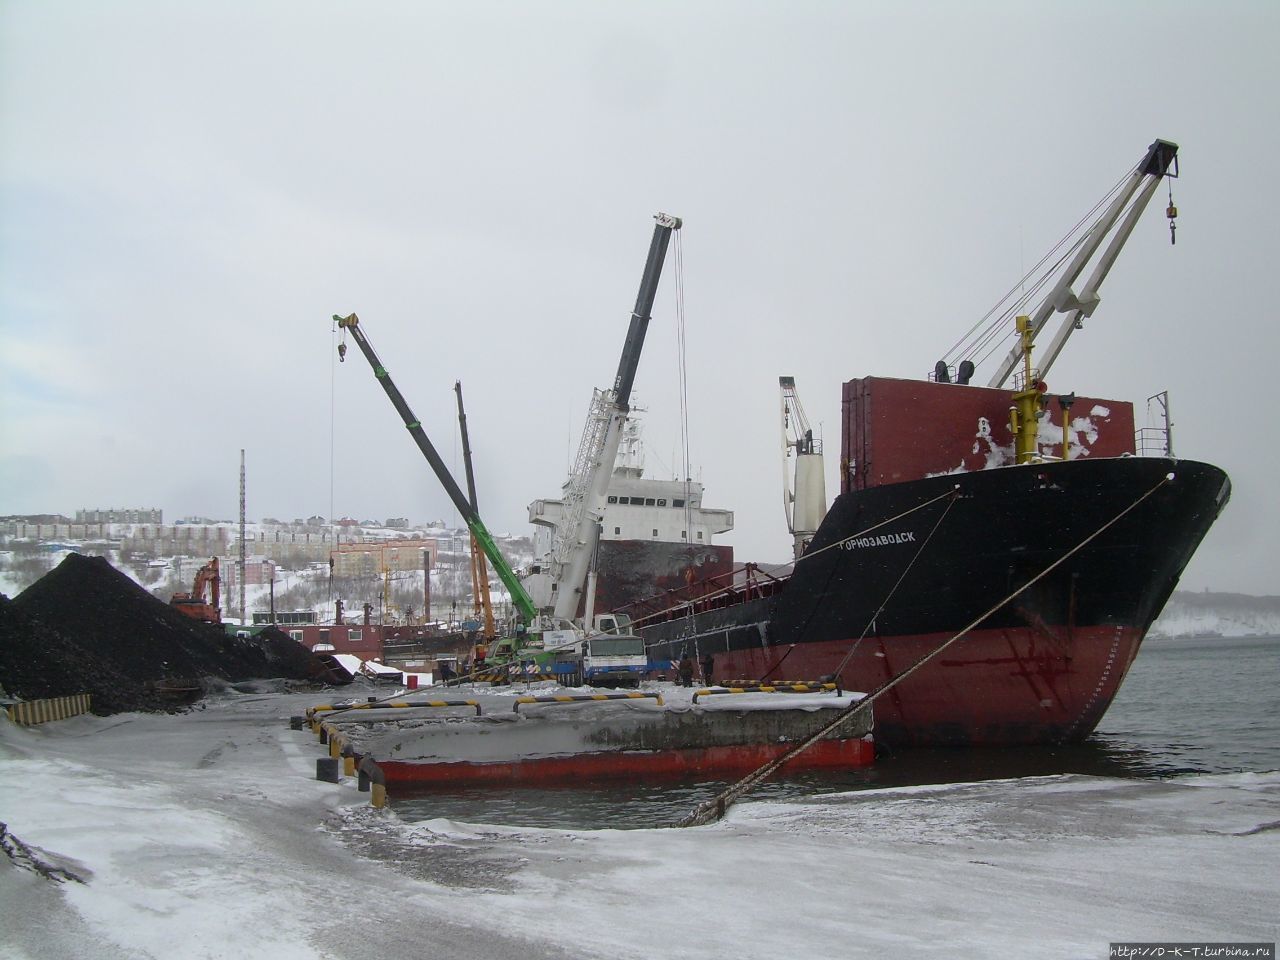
<point>188,192</point>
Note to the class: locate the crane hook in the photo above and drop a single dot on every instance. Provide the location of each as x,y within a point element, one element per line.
<point>1172,213</point>
<point>342,352</point>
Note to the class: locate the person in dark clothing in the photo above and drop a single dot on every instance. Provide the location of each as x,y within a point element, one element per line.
<point>686,671</point>
<point>708,667</point>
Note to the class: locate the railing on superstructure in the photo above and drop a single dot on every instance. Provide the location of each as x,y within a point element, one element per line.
<point>1156,441</point>
<point>1152,442</point>
<point>701,596</point>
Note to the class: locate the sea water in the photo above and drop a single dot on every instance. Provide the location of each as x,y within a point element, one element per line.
<point>1188,706</point>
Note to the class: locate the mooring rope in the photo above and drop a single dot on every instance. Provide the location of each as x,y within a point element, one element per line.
<point>894,589</point>
<point>714,809</point>
<point>874,527</point>
<point>953,494</point>
<point>831,546</point>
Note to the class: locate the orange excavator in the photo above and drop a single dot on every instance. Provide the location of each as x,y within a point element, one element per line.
<point>202,602</point>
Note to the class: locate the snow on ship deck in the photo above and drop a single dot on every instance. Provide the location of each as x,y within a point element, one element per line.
<point>525,736</point>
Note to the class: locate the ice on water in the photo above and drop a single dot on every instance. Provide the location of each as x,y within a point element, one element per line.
<point>205,834</point>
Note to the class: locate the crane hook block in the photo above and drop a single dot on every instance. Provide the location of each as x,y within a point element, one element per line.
<point>342,352</point>
<point>1172,213</point>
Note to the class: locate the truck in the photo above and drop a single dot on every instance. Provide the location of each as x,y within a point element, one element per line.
<point>612,654</point>
<point>607,654</point>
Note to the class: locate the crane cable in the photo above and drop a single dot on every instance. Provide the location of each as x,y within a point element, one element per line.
<point>728,590</point>
<point>682,365</point>
<point>713,809</point>
<point>955,495</point>
<point>1079,224</point>
<point>333,416</point>
<point>951,496</point>
<point>986,327</point>
<point>999,331</point>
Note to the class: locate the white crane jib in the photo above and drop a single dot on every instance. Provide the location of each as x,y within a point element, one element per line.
<point>1161,155</point>
<point>805,503</point>
<point>579,527</point>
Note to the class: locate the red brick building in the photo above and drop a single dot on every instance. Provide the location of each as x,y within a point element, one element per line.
<point>366,641</point>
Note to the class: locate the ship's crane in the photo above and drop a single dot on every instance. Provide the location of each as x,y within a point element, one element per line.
<point>519,597</point>
<point>1121,209</point>
<point>479,569</point>
<point>805,502</point>
<point>1120,216</point>
<point>578,529</point>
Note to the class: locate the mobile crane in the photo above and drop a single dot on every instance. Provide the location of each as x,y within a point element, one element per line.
<point>479,570</point>
<point>578,528</point>
<point>577,532</point>
<point>508,648</point>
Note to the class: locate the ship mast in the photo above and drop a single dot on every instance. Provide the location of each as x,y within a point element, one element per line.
<point>1029,402</point>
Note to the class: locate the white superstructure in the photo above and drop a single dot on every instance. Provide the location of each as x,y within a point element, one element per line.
<point>636,508</point>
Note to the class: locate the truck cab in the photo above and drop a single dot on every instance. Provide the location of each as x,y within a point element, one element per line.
<point>612,655</point>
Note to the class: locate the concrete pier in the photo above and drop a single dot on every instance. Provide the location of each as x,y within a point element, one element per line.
<point>593,740</point>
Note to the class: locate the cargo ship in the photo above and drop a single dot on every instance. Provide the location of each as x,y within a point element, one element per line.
<point>655,534</point>
<point>1022,527</point>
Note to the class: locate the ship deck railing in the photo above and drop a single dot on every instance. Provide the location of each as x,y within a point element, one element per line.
<point>702,596</point>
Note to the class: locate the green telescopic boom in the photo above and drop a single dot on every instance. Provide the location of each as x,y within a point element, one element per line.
<point>508,577</point>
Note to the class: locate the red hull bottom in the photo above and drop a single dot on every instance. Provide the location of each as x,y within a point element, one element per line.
<point>1040,684</point>
<point>704,763</point>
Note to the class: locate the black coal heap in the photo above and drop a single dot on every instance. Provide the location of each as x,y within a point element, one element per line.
<point>87,627</point>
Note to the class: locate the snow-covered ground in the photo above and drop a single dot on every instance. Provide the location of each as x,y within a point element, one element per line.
<point>206,835</point>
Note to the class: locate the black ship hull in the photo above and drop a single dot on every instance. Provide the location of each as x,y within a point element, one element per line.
<point>1055,570</point>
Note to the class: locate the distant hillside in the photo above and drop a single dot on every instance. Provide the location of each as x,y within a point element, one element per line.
<point>1228,614</point>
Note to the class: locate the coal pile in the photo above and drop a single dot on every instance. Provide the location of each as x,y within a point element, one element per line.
<point>285,656</point>
<point>87,627</point>
<point>37,661</point>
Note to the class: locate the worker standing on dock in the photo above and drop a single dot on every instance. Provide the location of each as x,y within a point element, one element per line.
<point>686,670</point>
<point>708,667</point>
